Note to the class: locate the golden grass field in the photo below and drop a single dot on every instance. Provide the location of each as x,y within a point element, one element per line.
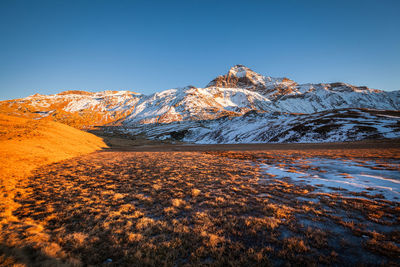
<point>26,144</point>
<point>32,143</point>
<point>190,206</point>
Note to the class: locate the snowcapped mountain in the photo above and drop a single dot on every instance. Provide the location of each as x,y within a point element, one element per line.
<point>226,98</point>
<point>288,96</point>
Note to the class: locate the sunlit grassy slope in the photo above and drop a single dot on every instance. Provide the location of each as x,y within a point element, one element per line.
<point>26,144</point>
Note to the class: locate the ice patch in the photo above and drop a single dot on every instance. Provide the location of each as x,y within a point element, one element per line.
<point>346,175</point>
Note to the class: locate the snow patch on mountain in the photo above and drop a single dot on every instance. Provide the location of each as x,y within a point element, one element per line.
<point>255,127</point>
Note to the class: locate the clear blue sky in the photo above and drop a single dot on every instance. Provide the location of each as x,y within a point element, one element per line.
<point>147,46</point>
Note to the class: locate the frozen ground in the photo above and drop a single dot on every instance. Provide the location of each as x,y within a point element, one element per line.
<point>345,176</point>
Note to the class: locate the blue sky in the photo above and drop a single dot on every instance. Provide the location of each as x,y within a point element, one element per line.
<point>147,46</point>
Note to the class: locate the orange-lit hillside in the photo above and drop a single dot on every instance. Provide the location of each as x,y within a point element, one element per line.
<point>79,109</point>
<point>27,143</point>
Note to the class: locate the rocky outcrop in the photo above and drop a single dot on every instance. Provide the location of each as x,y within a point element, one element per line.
<point>240,76</point>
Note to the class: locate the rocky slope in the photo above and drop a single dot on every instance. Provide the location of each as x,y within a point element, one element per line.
<point>264,127</point>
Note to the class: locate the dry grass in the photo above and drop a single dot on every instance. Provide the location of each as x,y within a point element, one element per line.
<point>194,208</point>
<point>25,145</point>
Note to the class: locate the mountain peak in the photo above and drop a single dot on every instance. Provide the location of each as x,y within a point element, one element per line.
<point>239,71</point>
<point>239,67</point>
<point>240,76</point>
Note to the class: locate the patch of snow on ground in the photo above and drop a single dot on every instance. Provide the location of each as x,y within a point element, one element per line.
<point>347,175</point>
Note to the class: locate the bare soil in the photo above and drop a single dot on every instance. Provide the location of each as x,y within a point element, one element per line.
<point>121,144</point>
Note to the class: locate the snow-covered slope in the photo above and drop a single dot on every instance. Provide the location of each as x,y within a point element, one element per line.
<point>256,127</point>
<point>191,103</point>
<point>318,97</point>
